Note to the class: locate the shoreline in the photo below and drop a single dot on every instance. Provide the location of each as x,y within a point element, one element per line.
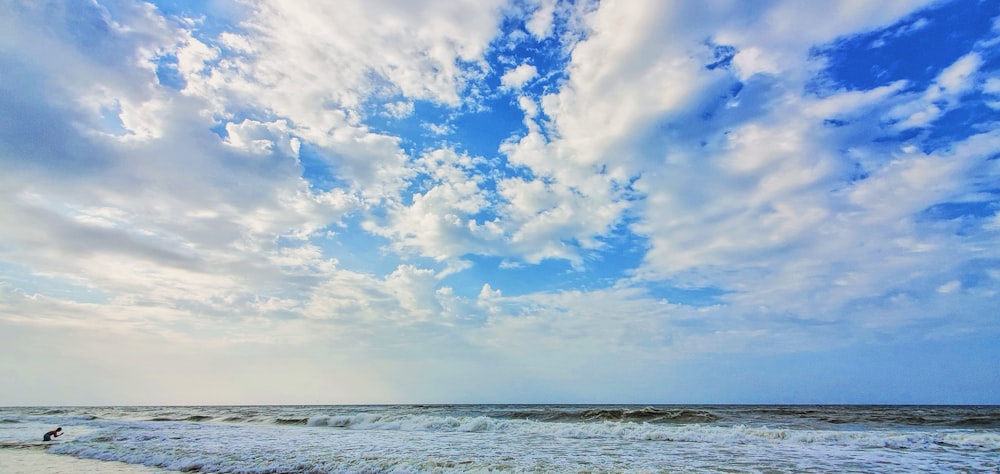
<point>35,460</point>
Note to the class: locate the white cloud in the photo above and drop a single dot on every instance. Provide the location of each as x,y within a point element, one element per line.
<point>943,95</point>
<point>169,216</point>
<point>950,287</point>
<point>641,69</point>
<point>540,23</point>
<point>413,49</point>
<point>316,66</point>
<point>752,61</point>
<point>399,109</point>
<point>754,201</point>
<point>194,58</point>
<point>958,78</point>
<point>262,138</point>
<point>992,86</point>
<point>516,78</point>
<point>439,222</point>
<point>907,29</point>
<point>850,104</point>
<point>439,129</point>
<point>774,246</point>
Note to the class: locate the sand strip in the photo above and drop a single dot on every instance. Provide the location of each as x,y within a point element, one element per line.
<point>38,461</point>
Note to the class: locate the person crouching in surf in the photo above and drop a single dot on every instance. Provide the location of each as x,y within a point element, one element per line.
<point>53,434</point>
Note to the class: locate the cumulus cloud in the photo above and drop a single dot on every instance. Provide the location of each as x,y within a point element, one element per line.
<point>516,78</point>
<point>399,109</point>
<point>440,222</point>
<point>540,23</point>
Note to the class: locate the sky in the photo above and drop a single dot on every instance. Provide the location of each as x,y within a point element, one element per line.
<point>491,201</point>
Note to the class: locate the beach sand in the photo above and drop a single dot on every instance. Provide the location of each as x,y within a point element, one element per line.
<point>37,461</point>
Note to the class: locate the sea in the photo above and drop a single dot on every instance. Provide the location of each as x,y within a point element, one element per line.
<point>519,438</point>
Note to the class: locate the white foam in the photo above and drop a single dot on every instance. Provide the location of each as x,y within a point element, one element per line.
<point>634,431</point>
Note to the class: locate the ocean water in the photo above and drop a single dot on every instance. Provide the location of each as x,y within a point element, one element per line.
<point>520,438</point>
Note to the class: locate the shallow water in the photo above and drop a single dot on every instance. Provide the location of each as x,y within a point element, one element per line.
<point>522,438</point>
<point>36,460</point>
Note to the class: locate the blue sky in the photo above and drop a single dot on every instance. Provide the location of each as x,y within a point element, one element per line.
<point>489,201</point>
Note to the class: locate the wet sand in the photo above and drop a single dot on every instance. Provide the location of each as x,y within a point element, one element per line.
<point>38,461</point>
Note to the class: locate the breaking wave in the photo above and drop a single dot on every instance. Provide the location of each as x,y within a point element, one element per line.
<point>644,414</point>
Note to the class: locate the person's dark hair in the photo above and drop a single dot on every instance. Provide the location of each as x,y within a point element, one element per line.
<point>59,428</point>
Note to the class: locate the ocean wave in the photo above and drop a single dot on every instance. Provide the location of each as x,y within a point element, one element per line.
<point>646,414</point>
<point>984,421</point>
<point>804,416</point>
<point>883,416</point>
<point>756,435</point>
<point>659,431</point>
<point>191,418</point>
<point>368,421</point>
<point>863,439</point>
<point>290,421</point>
